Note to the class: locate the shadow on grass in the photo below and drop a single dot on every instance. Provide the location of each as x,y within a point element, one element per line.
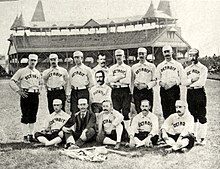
<point>21,145</point>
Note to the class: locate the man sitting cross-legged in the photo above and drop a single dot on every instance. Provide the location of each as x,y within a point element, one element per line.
<point>53,133</point>
<point>144,127</point>
<point>111,129</point>
<point>178,128</point>
<point>81,126</point>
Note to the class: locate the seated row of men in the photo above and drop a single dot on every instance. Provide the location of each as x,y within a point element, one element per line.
<point>108,128</point>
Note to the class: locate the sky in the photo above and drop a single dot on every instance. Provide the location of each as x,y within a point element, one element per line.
<point>199,19</point>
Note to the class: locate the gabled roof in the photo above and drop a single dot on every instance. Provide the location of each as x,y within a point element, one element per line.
<point>165,7</point>
<point>91,24</point>
<point>38,13</point>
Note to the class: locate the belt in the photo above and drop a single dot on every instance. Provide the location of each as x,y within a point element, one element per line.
<point>119,86</point>
<point>56,88</point>
<point>78,88</point>
<point>197,87</point>
<point>31,90</point>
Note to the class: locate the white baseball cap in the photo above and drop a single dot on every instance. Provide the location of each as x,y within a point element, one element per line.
<point>82,101</point>
<point>119,52</point>
<point>78,53</point>
<point>33,56</point>
<point>57,101</point>
<point>167,47</point>
<point>142,50</point>
<point>181,102</point>
<point>53,56</point>
<point>193,51</point>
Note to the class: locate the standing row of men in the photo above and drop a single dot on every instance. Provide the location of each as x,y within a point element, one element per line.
<point>121,81</point>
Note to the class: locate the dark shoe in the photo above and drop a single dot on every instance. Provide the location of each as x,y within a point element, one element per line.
<point>31,139</point>
<point>80,142</point>
<point>117,146</point>
<point>25,139</point>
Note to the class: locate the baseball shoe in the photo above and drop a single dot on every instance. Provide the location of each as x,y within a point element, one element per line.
<point>117,146</point>
<point>169,150</point>
<point>183,150</point>
<point>201,142</point>
<point>72,147</point>
<point>25,139</point>
<point>32,139</point>
<point>80,142</point>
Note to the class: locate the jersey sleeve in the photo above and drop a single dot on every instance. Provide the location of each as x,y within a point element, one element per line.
<point>167,123</point>
<point>153,82</point>
<point>127,79</point>
<point>202,78</point>
<point>134,125</point>
<point>118,118</point>
<point>155,125</point>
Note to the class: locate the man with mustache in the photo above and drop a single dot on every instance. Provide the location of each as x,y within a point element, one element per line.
<point>177,129</point>
<point>82,128</point>
<point>102,66</point>
<point>196,96</point>
<point>55,80</point>
<point>110,128</point>
<point>26,82</point>
<point>99,93</point>
<point>143,80</point>
<point>170,75</point>
<point>144,127</point>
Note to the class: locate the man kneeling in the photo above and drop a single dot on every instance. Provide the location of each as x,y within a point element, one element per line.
<point>144,127</point>
<point>81,128</point>
<point>53,134</point>
<point>178,128</point>
<point>110,128</point>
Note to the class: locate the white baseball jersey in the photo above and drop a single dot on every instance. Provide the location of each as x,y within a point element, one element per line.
<point>108,120</point>
<point>99,93</point>
<point>55,77</point>
<point>56,121</point>
<point>176,124</point>
<point>196,70</point>
<point>28,79</point>
<point>80,77</point>
<point>141,123</point>
<point>170,71</point>
<point>116,70</point>
<point>144,73</point>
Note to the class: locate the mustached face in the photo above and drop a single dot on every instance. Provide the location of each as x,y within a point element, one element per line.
<point>106,106</point>
<point>167,54</point>
<point>180,109</point>
<point>54,62</point>
<point>101,60</point>
<point>99,78</point>
<point>145,106</point>
<point>32,63</point>
<point>83,106</point>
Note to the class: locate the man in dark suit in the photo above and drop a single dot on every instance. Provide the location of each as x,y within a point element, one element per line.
<point>81,127</point>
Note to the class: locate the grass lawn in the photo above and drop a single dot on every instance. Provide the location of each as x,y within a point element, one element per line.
<point>15,154</point>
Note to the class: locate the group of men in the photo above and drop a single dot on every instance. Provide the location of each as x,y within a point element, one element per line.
<point>103,106</point>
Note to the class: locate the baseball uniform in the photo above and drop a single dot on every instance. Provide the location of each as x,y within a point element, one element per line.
<point>98,94</point>
<point>142,126</point>
<point>143,74</point>
<point>55,80</point>
<point>53,125</point>
<point>120,88</point>
<point>80,80</point>
<point>167,72</point>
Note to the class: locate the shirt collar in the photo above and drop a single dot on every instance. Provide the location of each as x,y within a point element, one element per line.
<point>120,65</point>
<point>145,63</point>
<point>55,67</point>
<point>171,61</point>
<point>143,116</point>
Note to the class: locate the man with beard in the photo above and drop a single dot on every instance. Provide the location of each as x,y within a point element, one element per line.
<point>120,81</point>
<point>26,82</point>
<point>143,79</point>
<point>196,96</point>
<point>177,129</point>
<point>110,128</point>
<point>83,127</point>
<point>144,127</point>
<point>169,74</point>
<point>55,80</point>
<point>102,66</point>
<point>99,93</point>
